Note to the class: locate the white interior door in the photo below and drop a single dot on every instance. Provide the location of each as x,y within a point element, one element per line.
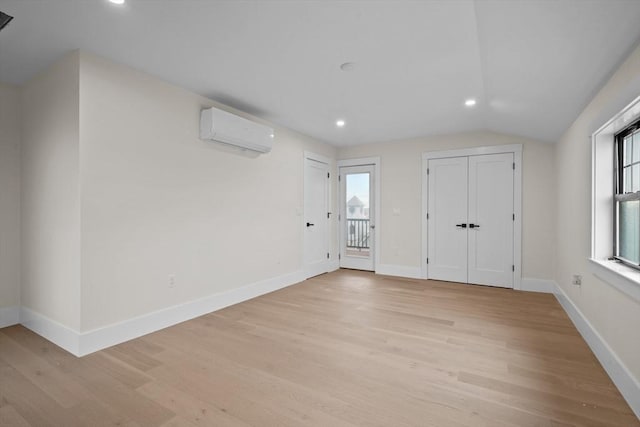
<point>316,219</point>
<point>447,221</point>
<point>491,219</point>
<point>357,217</point>
<point>470,232</point>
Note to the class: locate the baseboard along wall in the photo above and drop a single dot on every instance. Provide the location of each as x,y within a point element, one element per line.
<point>81,344</point>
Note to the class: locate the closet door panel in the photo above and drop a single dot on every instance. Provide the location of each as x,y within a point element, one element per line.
<point>447,209</point>
<point>490,229</point>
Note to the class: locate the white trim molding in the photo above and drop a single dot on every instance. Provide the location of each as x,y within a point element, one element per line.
<point>57,333</point>
<point>618,275</point>
<point>621,376</point>
<point>9,316</point>
<point>516,149</point>
<point>602,180</point>
<point>317,157</point>
<point>81,344</point>
<point>399,271</point>
<point>107,336</point>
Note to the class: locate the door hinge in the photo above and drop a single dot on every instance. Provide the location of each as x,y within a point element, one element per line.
<point>427,215</point>
<point>339,256</point>
<point>427,260</point>
<point>339,177</point>
<point>427,171</point>
<point>514,165</point>
<point>328,175</point>
<point>513,268</point>
<point>328,215</point>
<point>327,255</point>
<point>514,217</point>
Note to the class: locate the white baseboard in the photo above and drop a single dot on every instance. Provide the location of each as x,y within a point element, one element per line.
<point>538,285</point>
<point>81,344</point>
<point>9,316</point>
<point>108,336</point>
<point>53,331</point>
<point>399,271</point>
<point>628,385</point>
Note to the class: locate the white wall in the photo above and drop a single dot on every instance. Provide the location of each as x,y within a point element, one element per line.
<point>156,200</point>
<point>50,194</point>
<point>9,196</point>
<point>613,314</point>
<point>401,169</point>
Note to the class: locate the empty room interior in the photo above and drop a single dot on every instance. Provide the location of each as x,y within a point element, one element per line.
<point>320,213</point>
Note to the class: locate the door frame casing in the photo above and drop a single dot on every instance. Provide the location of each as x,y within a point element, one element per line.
<point>366,161</point>
<point>347,261</point>
<point>516,149</point>
<point>329,162</point>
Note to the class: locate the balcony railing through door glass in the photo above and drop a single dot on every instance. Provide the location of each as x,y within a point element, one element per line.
<point>358,234</point>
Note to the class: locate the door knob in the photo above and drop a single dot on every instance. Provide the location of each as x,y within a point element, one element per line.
<point>461,225</point>
<point>310,225</point>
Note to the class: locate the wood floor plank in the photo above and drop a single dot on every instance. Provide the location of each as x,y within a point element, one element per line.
<point>10,417</point>
<point>35,406</point>
<point>46,377</point>
<point>344,349</point>
<point>188,408</point>
<point>94,413</point>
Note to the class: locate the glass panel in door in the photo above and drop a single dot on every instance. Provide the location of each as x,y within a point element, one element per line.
<point>357,217</point>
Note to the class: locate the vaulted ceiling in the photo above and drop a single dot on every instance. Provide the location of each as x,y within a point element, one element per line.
<point>532,66</point>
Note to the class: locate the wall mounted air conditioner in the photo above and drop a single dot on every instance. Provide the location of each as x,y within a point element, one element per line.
<point>221,126</point>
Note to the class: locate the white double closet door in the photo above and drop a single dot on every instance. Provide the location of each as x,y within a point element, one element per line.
<point>471,219</point>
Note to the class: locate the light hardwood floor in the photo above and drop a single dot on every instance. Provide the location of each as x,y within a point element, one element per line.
<point>342,349</point>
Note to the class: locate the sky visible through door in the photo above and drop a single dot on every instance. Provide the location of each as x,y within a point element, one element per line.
<point>357,186</point>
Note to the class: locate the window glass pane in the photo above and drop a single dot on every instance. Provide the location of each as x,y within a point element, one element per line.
<point>628,229</point>
<point>358,229</point>
<point>635,178</point>
<point>628,183</point>
<point>627,148</point>
<point>636,147</point>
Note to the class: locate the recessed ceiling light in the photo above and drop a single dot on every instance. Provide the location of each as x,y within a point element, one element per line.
<point>340,123</point>
<point>116,1</point>
<point>470,102</point>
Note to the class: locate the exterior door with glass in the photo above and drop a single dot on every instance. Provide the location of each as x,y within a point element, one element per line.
<point>357,217</point>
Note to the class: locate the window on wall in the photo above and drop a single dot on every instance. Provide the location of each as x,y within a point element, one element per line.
<point>627,195</point>
<point>615,198</point>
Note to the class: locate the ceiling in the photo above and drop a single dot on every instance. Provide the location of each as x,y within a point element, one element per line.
<point>531,65</point>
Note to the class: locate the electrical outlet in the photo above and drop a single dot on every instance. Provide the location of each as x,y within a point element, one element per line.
<point>577,280</point>
<point>172,280</point>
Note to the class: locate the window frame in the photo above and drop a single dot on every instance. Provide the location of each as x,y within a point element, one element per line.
<point>618,188</point>
<point>609,271</point>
